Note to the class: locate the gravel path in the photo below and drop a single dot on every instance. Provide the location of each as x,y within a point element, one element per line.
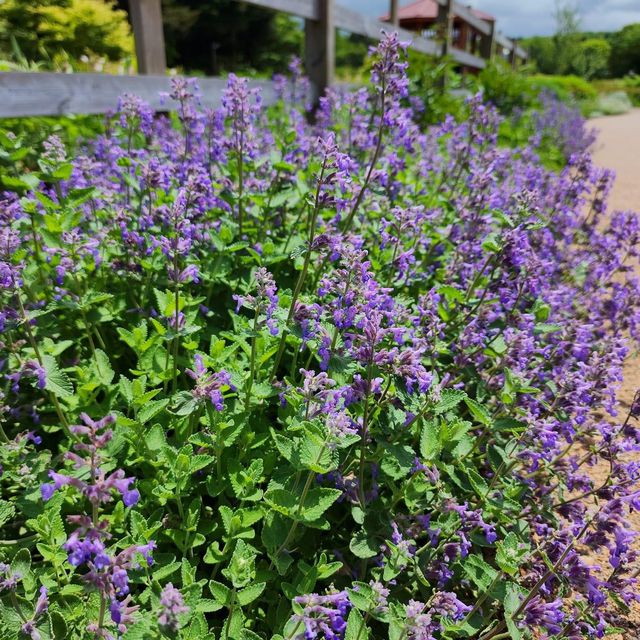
<point>618,148</point>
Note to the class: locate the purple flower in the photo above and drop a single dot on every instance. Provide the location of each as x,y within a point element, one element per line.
<point>171,606</point>
<point>549,615</point>
<point>323,616</point>
<point>209,385</point>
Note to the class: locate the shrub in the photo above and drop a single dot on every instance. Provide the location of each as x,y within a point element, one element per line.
<point>565,87</point>
<point>613,103</point>
<point>64,31</point>
<point>265,379</point>
<point>505,88</point>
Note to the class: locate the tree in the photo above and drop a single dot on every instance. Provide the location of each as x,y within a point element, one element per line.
<point>55,29</point>
<point>542,53</point>
<point>567,36</point>
<point>592,59</point>
<point>625,51</point>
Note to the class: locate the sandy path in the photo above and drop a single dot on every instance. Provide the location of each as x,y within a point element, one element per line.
<point>618,148</point>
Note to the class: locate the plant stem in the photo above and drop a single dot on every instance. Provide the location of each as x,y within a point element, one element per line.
<point>374,161</point>
<point>34,346</point>
<point>303,497</point>
<point>252,364</point>
<point>305,267</point>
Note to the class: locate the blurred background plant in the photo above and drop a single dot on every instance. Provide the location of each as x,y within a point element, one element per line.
<point>65,35</point>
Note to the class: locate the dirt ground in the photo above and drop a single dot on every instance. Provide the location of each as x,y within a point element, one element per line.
<point>618,148</point>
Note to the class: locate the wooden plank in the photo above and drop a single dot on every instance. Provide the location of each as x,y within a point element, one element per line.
<point>502,41</point>
<point>393,13</point>
<point>467,59</point>
<point>480,25</point>
<point>355,22</point>
<point>487,42</point>
<point>308,9</point>
<point>146,19</point>
<point>320,49</point>
<point>53,94</point>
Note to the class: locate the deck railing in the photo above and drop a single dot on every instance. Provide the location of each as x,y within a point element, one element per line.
<point>31,94</point>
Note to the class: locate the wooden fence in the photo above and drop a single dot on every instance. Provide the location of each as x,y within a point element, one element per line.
<point>31,94</point>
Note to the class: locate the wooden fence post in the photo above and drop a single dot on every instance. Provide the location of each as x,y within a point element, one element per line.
<point>487,41</point>
<point>393,12</point>
<point>146,19</point>
<point>445,24</point>
<point>320,49</point>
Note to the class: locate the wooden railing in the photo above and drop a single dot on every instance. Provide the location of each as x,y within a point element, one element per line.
<point>29,94</point>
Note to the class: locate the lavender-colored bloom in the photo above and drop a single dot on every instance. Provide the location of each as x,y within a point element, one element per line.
<point>323,616</point>
<point>265,301</point>
<point>208,385</point>
<point>549,615</point>
<point>171,607</point>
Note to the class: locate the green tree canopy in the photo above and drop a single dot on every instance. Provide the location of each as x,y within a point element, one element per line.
<point>592,58</point>
<point>625,51</point>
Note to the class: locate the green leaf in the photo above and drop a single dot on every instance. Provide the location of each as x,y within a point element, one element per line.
<point>318,501</point>
<point>56,380</point>
<point>397,460</point>
<point>512,600</point>
<point>103,368</point>
<point>356,628</point>
<point>155,438</point>
<point>241,568</point>
<point>220,592</point>
<point>282,501</point>
<point>449,399</point>
<point>362,596</point>
<point>510,554</point>
<point>430,446</point>
<point>479,572</point>
<point>151,409</point>
<point>250,593</point>
<point>363,546</point>
<point>478,411</point>
<point>21,563</point>
<point>7,510</point>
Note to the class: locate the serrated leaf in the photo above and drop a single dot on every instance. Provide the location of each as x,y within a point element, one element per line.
<point>363,546</point>
<point>430,447</point>
<point>7,511</point>
<point>397,460</point>
<point>151,409</point>
<point>249,594</point>
<point>103,368</point>
<point>479,572</point>
<point>282,501</point>
<point>56,380</point>
<point>356,628</point>
<point>511,603</point>
<point>21,563</point>
<point>449,399</point>
<point>478,411</point>
<point>318,501</point>
<point>155,438</point>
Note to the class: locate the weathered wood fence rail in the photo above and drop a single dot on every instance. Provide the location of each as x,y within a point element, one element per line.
<point>31,94</point>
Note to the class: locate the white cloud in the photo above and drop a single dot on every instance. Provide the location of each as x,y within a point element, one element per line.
<point>533,17</point>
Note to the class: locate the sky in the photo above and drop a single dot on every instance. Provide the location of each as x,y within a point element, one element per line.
<point>522,18</point>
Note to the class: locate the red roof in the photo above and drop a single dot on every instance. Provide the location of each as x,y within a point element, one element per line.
<point>428,10</point>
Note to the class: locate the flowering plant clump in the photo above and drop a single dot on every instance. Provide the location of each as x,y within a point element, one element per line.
<point>269,379</point>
